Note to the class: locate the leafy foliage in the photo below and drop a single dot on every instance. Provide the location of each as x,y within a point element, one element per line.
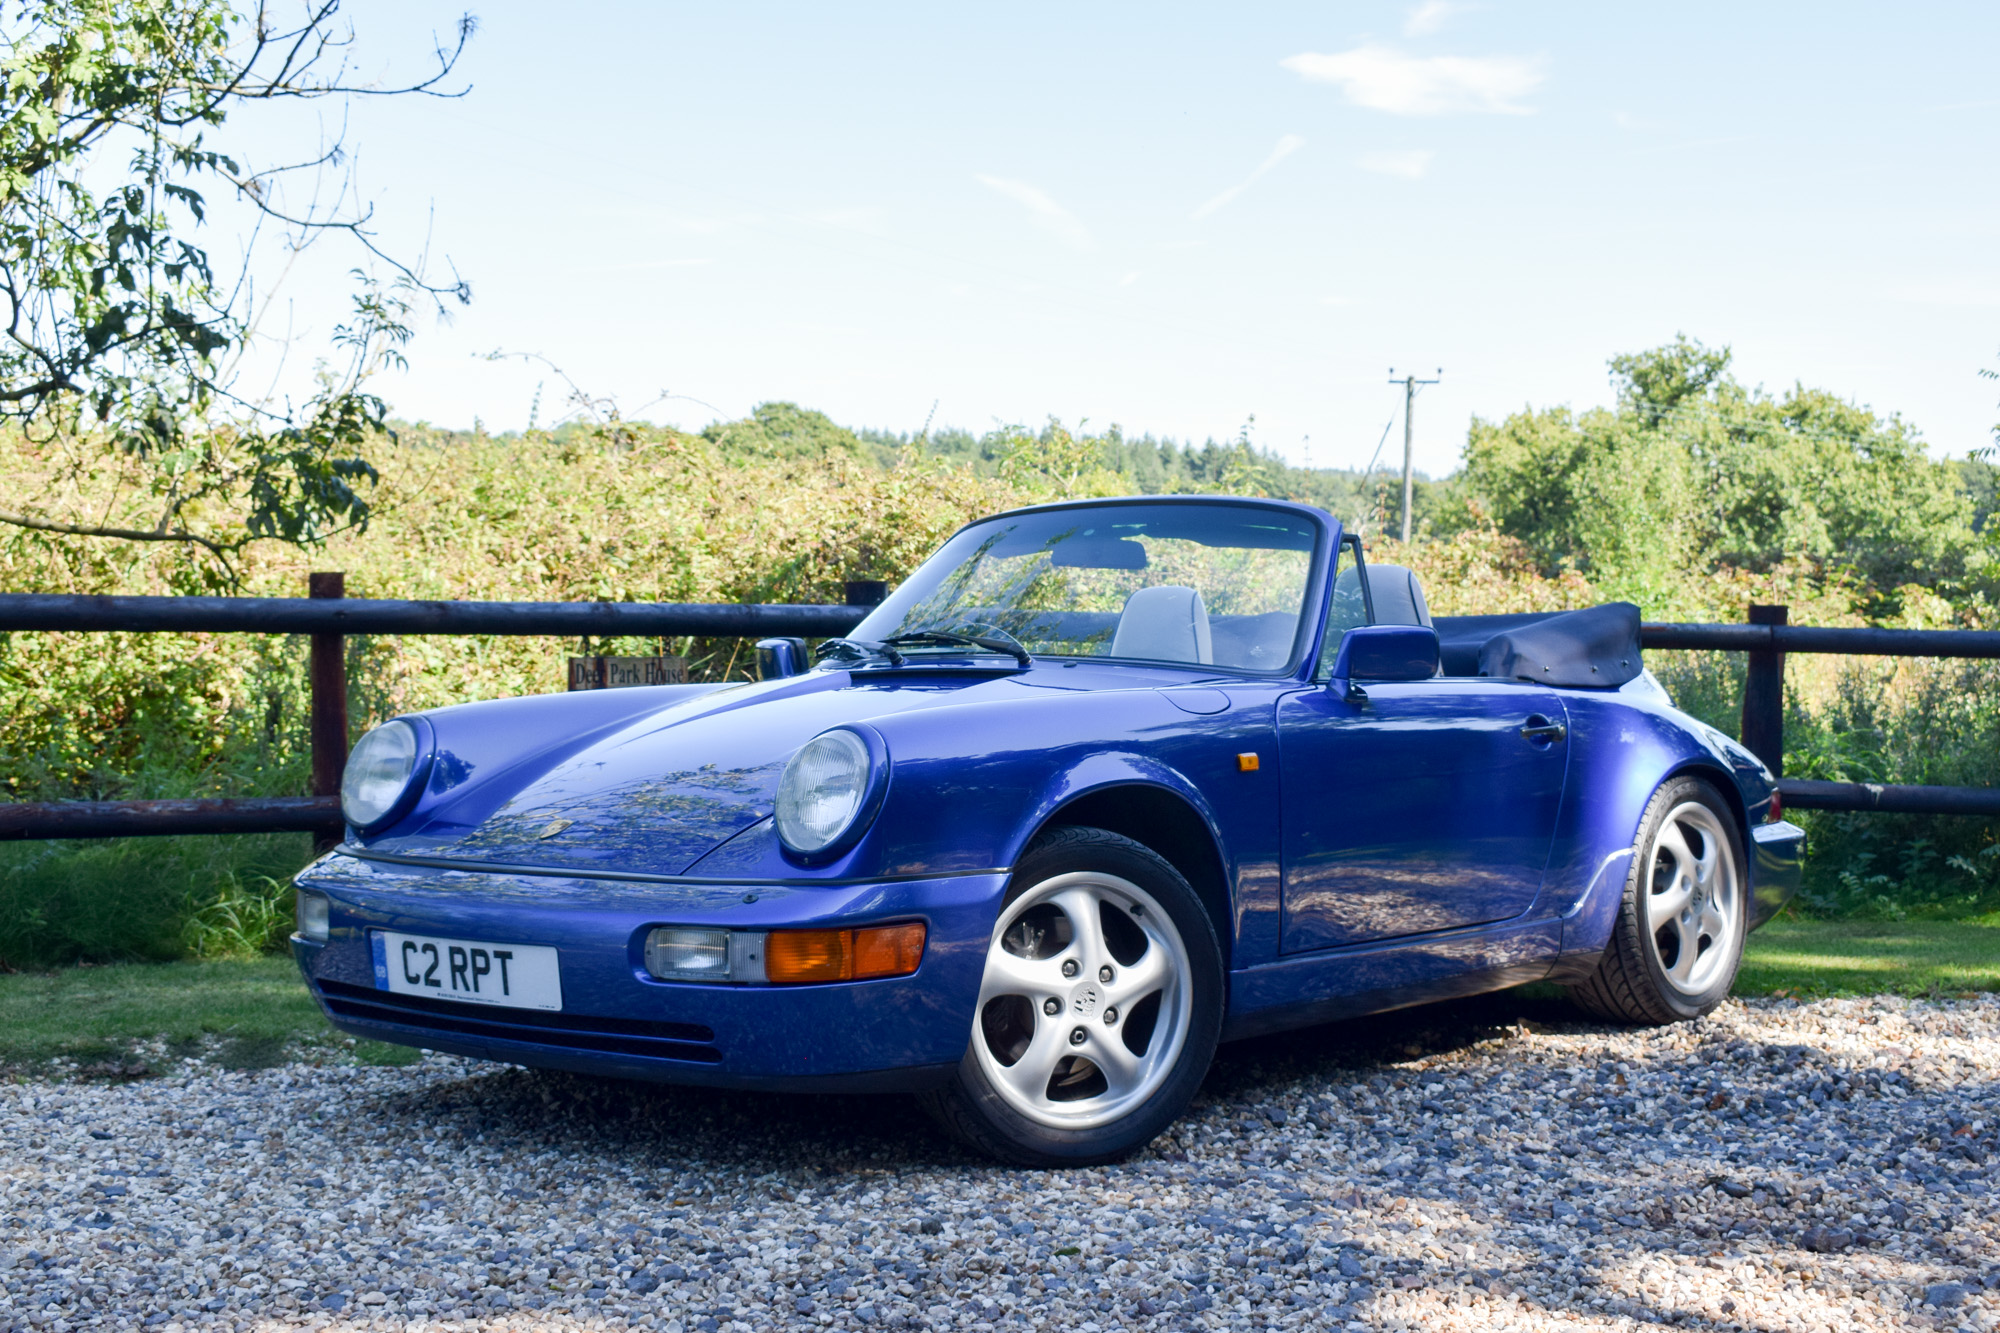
<point>782,431</point>
<point>122,335</point>
<point>1693,471</point>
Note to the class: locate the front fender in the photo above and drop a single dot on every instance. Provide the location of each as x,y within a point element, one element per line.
<point>484,742</point>
<point>971,785</point>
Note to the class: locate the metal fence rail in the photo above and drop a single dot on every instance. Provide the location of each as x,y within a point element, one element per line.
<point>1766,640</point>
<point>1784,638</point>
<point>1889,798</point>
<point>361,615</point>
<point>129,819</point>
<point>328,616</point>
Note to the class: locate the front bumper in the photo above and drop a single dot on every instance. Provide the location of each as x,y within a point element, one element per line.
<point>894,1034</point>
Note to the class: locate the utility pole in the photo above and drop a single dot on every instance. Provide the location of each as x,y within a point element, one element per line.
<point>1409,383</point>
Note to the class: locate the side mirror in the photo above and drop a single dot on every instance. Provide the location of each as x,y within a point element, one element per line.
<point>1385,652</point>
<point>778,658</point>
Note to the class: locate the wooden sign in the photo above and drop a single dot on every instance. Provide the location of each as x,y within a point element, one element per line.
<point>611,673</point>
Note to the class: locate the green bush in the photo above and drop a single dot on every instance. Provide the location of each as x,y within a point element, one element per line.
<point>143,899</point>
<point>1923,721</point>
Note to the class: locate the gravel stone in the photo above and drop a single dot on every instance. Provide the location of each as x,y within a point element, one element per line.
<point>1493,1164</point>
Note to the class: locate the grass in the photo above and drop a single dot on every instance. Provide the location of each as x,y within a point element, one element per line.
<point>241,1014</point>
<point>1809,959</point>
<point>255,1013</point>
<point>142,899</point>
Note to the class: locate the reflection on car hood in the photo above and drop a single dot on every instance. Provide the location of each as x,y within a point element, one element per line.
<point>656,794</point>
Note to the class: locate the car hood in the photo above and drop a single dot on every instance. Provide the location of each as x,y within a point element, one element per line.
<point>656,790</point>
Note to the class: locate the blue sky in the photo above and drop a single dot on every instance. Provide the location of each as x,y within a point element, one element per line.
<point>1176,218</point>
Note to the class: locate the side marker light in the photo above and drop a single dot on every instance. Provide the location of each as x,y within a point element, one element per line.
<point>1246,763</point>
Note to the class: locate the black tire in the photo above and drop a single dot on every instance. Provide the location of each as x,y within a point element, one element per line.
<point>1635,981</point>
<point>975,1109</point>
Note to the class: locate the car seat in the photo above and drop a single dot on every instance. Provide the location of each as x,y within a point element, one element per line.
<point>1167,623</point>
<point>1398,596</point>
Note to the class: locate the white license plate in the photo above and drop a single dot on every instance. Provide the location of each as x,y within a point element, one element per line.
<point>522,976</point>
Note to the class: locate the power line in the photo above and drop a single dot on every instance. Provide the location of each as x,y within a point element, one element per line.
<point>1361,519</point>
<point>1409,383</point>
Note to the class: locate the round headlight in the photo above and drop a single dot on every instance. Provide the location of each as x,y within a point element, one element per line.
<point>822,791</point>
<point>379,770</point>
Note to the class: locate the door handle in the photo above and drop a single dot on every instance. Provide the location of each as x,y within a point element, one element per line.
<point>1540,730</point>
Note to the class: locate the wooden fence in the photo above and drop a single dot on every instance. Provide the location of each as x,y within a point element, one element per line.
<point>327,616</point>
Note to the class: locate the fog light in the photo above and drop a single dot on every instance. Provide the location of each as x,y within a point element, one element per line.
<point>678,954</point>
<point>314,915</point>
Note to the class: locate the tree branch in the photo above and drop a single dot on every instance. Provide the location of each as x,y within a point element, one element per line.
<point>220,550</point>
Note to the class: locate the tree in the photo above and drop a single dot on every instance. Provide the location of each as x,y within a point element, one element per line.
<point>123,339</point>
<point>1653,384</point>
<point>1692,469</point>
<point>782,430</point>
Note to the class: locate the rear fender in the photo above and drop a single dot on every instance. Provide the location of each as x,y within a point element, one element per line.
<point>1623,750</point>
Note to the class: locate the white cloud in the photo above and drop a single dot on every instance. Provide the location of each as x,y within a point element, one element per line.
<point>1129,279</point>
<point>1409,163</point>
<point>1430,16</point>
<point>1288,145</point>
<point>1049,215</point>
<point>1385,79</point>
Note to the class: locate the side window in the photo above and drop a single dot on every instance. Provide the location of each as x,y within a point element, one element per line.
<point>1345,609</point>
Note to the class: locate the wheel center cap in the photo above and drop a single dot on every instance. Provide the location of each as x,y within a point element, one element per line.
<point>1086,999</point>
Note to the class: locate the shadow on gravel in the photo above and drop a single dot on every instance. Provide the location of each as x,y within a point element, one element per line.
<point>751,1132</point>
<point>783,1133</point>
<point>1244,1068</point>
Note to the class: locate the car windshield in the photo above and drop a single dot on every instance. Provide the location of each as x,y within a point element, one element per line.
<point>1210,584</point>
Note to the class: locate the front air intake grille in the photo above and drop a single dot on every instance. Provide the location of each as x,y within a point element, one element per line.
<point>581,1032</point>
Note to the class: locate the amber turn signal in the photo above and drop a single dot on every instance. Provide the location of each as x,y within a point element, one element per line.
<point>795,956</point>
<point>1246,762</point>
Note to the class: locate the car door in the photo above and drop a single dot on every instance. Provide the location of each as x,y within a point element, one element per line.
<point>1422,806</point>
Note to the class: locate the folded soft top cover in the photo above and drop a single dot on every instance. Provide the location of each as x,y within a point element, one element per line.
<point>1598,646</point>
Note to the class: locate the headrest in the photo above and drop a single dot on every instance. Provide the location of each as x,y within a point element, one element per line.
<point>1167,623</point>
<point>1398,597</point>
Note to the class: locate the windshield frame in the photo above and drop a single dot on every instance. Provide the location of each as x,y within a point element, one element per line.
<point>1312,608</point>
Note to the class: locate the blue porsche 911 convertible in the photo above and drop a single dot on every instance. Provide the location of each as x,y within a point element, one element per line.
<point>1103,784</point>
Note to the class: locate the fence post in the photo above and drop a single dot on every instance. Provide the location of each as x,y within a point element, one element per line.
<point>1764,695</point>
<point>329,699</point>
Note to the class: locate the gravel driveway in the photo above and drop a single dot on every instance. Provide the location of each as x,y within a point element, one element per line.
<point>1490,1164</point>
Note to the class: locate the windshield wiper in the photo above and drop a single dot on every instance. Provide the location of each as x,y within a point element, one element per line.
<point>947,638</point>
<point>858,648</point>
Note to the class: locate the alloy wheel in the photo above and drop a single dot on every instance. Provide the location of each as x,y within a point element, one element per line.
<point>1694,899</point>
<point>1085,1003</point>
